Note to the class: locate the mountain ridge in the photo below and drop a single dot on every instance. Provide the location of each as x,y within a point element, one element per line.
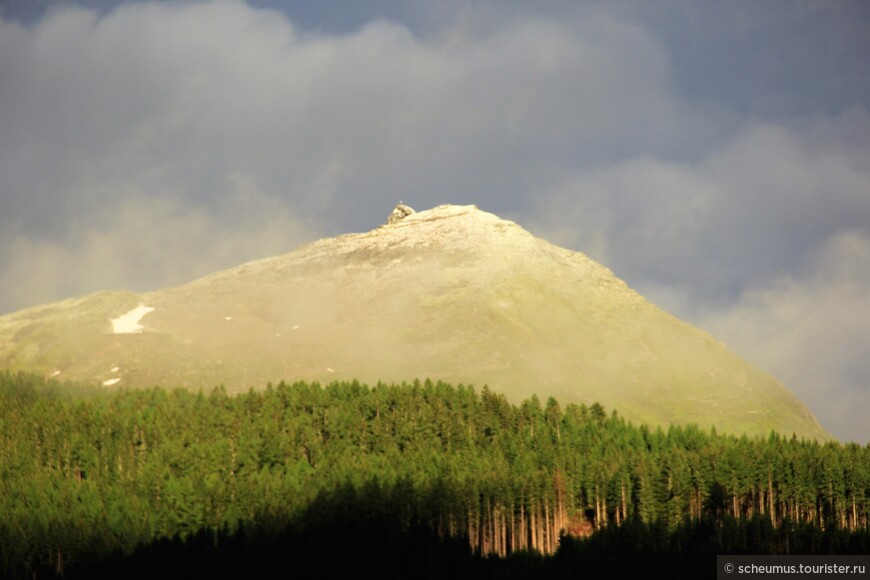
<point>452,293</point>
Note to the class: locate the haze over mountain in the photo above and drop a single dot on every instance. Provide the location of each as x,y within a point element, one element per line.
<point>453,293</point>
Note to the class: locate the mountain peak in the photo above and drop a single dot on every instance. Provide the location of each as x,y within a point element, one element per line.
<point>452,293</point>
<point>446,229</point>
<point>464,215</point>
<point>449,221</point>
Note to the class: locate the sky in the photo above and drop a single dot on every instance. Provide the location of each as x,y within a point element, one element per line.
<point>714,154</point>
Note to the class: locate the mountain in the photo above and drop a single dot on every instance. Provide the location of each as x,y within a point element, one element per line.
<point>453,293</point>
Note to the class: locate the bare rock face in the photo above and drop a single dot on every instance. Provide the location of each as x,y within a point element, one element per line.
<point>400,212</point>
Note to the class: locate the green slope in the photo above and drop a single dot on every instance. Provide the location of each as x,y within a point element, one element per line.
<point>453,293</point>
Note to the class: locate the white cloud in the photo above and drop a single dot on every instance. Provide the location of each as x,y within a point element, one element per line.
<point>812,331</point>
<point>136,241</point>
<point>753,207</point>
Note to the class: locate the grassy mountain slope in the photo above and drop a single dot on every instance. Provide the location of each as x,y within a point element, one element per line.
<point>452,293</point>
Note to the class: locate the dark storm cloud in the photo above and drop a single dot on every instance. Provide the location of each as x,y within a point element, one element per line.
<point>173,101</point>
<point>773,60</point>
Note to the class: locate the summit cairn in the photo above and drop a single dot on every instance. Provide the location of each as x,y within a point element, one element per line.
<point>400,212</point>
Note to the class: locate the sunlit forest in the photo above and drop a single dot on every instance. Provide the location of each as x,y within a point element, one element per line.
<point>405,480</point>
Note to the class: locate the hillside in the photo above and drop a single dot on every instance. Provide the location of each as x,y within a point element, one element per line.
<point>453,293</point>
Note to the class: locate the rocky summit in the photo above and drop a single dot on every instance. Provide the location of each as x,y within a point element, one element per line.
<point>452,293</point>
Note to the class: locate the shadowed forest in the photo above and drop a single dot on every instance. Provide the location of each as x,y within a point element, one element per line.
<point>396,481</point>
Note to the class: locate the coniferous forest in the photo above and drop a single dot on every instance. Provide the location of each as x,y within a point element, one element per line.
<point>395,481</point>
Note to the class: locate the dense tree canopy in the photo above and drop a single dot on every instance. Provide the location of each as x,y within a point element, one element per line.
<point>101,473</point>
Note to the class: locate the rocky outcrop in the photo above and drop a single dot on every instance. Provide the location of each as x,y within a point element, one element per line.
<point>400,212</point>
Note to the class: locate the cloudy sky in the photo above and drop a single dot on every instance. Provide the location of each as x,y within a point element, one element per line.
<point>715,155</point>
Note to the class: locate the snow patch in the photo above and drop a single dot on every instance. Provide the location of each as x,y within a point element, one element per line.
<point>110,382</point>
<point>129,323</point>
